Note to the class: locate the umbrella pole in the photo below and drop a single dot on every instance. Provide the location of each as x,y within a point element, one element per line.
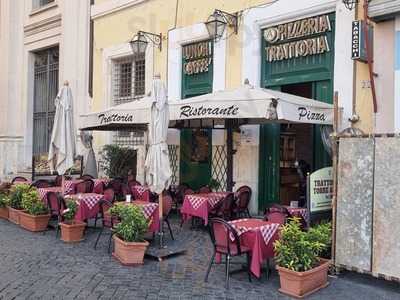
<point>63,185</point>
<point>161,227</point>
<point>230,153</point>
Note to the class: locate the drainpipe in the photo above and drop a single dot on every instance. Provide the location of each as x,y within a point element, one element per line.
<point>369,55</point>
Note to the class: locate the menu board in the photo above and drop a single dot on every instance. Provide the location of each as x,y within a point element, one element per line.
<point>320,190</point>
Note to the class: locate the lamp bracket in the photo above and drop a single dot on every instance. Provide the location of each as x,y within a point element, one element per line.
<point>231,19</point>
<point>156,39</point>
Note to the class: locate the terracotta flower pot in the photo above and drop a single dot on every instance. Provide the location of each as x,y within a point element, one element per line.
<point>13,215</point>
<point>72,232</point>
<point>4,212</point>
<point>33,223</point>
<point>302,284</point>
<point>129,254</point>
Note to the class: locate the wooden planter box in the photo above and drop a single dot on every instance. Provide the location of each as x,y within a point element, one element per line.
<point>129,254</point>
<point>4,212</point>
<point>72,232</point>
<point>302,284</point>
<point>13,215</point>
<point>34,223</point>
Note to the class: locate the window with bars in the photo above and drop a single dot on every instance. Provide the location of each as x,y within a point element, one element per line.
<point>39,3</point>
<point>128,84</point>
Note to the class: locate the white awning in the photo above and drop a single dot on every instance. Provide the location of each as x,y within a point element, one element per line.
<point>254,104</point>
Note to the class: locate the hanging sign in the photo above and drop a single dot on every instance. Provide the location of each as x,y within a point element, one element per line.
<point>300,38</point>
<point>320,190</point>
<point>197,57</point>
<point>358,41</point>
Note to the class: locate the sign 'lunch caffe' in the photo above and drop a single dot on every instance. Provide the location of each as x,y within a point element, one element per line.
<point>297,39</point>
<point>198,57</point>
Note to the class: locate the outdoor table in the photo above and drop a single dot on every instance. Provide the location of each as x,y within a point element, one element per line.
<point>44,191</point>
<point>200,205</point>
<point>259,236</point>
<point>88,205</point>
<point>298,212</point>
<point>150,211</point>
<point>141,193</point>
<point>69,186</point>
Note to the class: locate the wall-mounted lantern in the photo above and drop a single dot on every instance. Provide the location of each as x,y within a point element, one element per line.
<point>217,22</point>
<point>140,41</point>
<point>350,4</point>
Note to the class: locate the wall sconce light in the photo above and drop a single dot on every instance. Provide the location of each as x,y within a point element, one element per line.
<point>218,21</point>
<point>350,4</point>
<point>140,41</point>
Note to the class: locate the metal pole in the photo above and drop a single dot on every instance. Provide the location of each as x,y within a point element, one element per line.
<point>160,215</point>
<point>335,145</point>
<point>230,153</point>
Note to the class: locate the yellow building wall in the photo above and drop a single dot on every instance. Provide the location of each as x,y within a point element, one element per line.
<point>160,16</point>
<point>364,107</point>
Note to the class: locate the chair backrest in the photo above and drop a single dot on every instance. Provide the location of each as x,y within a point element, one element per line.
<point>188,192</point>
<point>107,219</point>
<point>277,214</point>
<point>228,206</point>
<point>58,180</point>
<point>224,236</point>
<point>86,176</point>
<point>167,205</point>
<point>85,186</point>
<point>18,179</point>
<point>125,190</point>
<point>132,183</point>
<point>243,200</point>
<point>244,188</point>
<point>41,183</point>
<point>55,203</point>
<point>109,195</point>
<point>204,190</point>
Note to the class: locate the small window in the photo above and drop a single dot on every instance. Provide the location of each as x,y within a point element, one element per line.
<point>40,3</point>
<point>128,84</point>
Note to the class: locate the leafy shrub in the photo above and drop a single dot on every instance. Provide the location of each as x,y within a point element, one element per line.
<point>5,188</point>
<point>299,250</point>
<point>118,161</point>
<point>4,200</point>
<point>32,203</point>
<point>214,185</point>
<point>70,212</point>
<point>16,193</point>
<point>133,223</point>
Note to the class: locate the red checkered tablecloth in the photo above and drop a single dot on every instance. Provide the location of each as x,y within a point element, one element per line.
<point>44,191</point>
<point>196,200</point>
<point>267,229</point>
<point>90,199</point>
<point>148,208</point>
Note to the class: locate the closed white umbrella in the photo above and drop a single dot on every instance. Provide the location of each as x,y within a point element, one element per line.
<point>157,166</point>
<point>63,145</point>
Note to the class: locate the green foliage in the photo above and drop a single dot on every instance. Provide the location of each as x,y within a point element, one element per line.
<point>32,203</point>
<point>133,223</point>
<point>213,184</point>
<point>118,160</point>
<point>299,250</point>
<point>70,212</point>
<point>16,193</point>
<point>4,200</point>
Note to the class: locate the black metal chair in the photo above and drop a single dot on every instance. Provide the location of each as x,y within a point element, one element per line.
<point>117,187</point>
<point>41,183</point>
<point>86,176</point>
<point>18,179</point>
<point>225,208</point>
<point>56,205</point>
<point>85,186</point>
<point>226,242</point>
<point>108,221</point>
<point>242,204</point>
<point>276,214</point>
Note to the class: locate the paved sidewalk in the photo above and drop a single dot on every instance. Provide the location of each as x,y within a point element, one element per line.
<point>38,266</point>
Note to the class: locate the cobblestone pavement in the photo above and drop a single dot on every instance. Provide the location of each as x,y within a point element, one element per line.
<point>39,266</point>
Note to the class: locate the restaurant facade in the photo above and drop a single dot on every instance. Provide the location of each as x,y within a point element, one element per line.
<point>299,48</point>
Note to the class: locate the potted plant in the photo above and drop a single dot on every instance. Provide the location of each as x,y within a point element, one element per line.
<point>15,203</point>
<point>71,230</point>
<point>301,270</point>
<point>129,242</point>
<point>4,201</point>
<point>35,216</point>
